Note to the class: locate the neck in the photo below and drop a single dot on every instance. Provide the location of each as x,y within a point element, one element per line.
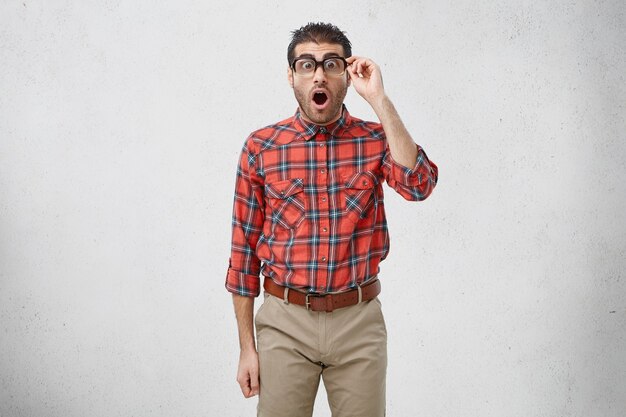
<point>333,120</point>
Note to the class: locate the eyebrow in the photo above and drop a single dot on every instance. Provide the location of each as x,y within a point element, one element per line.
<point>326,55</point>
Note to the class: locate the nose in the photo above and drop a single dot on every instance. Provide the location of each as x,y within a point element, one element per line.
<point>319,76</point>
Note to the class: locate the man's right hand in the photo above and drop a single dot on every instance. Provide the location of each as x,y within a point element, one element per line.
<point>248,373</point>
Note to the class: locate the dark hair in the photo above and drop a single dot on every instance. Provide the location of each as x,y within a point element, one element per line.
<point>318,33</point>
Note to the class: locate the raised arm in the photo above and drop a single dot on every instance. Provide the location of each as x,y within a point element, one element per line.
<point>368,82</point>
<point>407,168</point>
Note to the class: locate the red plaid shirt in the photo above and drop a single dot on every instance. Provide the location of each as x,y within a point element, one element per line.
<point>309,204</point>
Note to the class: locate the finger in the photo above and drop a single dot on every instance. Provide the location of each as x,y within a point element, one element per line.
<point>254,383</point>
<point>354,75</point>
<point>355,69</point>
<point>245,390</point>
<point>366,66</point>
<point>354,60</point>
<point>352,72</point>
<point>362,67</point>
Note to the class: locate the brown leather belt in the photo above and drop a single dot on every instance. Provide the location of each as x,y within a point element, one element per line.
<point>323,302</point>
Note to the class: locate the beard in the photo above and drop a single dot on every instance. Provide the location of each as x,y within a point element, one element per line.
<point>328,114</point>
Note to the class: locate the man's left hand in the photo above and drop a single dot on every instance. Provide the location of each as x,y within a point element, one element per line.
<point>366,78</point>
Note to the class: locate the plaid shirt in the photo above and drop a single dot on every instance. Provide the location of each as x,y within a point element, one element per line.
<point>309,204</point>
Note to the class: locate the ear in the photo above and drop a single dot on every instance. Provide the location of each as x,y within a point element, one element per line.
<point>349,78</point>
<point>290,76</point>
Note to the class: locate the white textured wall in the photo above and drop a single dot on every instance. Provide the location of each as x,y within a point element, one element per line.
<point>120,127</point>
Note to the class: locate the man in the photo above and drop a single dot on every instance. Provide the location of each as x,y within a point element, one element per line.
<point>309,216</point>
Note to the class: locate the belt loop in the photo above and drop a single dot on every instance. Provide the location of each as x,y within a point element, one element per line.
<point>286,296</point>
<point>358,288</point>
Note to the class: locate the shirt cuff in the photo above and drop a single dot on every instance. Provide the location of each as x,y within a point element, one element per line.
<point>243,284</point>
<point>410,176</point>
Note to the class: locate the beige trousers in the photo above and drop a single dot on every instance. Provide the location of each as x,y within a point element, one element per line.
<point>347,348</point>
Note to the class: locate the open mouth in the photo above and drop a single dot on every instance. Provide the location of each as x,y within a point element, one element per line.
<point>320,98</point>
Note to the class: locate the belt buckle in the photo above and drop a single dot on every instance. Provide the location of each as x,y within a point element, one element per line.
<point>307,303</point>
<point>328,298</point>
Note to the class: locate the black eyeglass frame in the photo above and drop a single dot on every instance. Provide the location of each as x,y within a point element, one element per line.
<point>317,63</point>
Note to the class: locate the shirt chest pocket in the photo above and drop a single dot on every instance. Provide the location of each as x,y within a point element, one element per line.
<point>359,194</point>
<point>286,199</point>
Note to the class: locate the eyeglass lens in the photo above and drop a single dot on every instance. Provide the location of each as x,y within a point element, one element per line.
<point>332,66</point>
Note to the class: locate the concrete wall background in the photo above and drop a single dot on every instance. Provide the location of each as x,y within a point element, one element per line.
<point>120,126</point>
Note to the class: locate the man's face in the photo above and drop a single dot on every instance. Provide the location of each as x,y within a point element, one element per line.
<point>320,96</point>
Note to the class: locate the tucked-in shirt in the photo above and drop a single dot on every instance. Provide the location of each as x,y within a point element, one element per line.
<point>308,208</point>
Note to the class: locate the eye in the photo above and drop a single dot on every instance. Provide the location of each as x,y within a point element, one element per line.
<point>331,64</point>
<point>334,66</point>
<point>306,65</point>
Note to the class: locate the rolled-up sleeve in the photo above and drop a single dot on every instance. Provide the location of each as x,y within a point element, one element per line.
<point>247,222</point>
<point>414,184</point>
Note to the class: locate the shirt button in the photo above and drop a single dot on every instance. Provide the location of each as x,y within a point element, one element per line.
<point>323,259</point>
<point>323,129</point>
<point>364,182</point>
<point>324,199</point>
<point>322,171</point>
<point>325,229</point>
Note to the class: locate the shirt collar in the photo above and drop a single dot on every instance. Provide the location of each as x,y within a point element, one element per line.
<point>307,129</point>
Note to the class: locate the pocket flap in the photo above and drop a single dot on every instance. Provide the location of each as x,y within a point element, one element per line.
<point>285,188</point>
<point>361,180</point>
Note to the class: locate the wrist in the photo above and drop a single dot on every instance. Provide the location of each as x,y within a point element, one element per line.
<point>379,103</point>
<point>247,349</point>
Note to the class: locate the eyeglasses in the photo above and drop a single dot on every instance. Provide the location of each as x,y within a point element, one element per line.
<point>335,66</point>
